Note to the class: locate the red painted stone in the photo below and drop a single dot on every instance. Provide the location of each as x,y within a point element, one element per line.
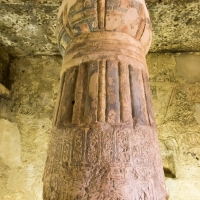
<point>104,144</point>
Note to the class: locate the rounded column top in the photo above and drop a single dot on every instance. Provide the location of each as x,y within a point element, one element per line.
<point>77,17</point>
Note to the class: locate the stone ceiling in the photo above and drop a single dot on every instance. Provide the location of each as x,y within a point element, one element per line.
<point>27,26</point>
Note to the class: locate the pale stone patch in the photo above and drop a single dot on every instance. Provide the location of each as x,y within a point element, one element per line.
<point>4,91</point>
<point>197,113</point>
<point>10,148</point>
<point>69,4</point>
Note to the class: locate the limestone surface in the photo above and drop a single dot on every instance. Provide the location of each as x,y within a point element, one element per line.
<point>103,143</point>
<point>176,103</point>
<point>28,27</point>
<point>10,144</point>
<point>25,123</point>
<point>176,100</point>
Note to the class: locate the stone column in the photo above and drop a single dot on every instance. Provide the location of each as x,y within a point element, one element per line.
<point>104,145</point>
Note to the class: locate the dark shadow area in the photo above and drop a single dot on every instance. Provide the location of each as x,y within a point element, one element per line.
<point>169,173</point>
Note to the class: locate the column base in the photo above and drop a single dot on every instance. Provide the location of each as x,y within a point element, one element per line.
<point>104,161</point>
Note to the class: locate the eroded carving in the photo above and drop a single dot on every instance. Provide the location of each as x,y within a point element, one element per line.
<point>93,165</point>
<point>104,144</point>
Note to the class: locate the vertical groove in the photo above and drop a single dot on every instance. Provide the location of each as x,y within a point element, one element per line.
<point>78,110</point>
<point>67,101</point>
<point>91,102</point>
<point>148,99</point>
<point>101,5</point>
<point>86,93</point>
<point>107,94</point>
<point>105,9</point>
<point>94,93</point>
<point>142,24</point>
<point>124,90</point>
<point>102,91</point>
<point>138,96</point>
<point>143,99</point>
<point>119,92</point>
<point>131,91</point>
<point>112,93</point>
<point>59,98</point>
<point>106,83</point>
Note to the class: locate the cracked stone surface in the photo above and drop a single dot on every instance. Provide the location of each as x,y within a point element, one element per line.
<point>103,143</point>
<point>28,27</point>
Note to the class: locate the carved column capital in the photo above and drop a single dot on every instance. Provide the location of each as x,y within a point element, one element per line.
<point>129,17</point>
<point>104,144</point>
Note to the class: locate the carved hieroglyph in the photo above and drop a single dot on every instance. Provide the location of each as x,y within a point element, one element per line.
<point>104,144</point>
<point>176,101</point>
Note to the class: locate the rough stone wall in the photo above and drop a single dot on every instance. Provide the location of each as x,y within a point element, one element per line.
<point>28,26</point>
<point>175,86</point>
<point>27,116</point>
<point>25,122</point>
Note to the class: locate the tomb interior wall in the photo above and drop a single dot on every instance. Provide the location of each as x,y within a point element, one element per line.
<point>26,121</point>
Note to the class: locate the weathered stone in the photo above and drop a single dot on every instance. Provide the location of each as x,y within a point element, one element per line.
<point>176,101</point>
<point>104,144</point>
<point>187,67</point>
<point>10,149</point>
<point>4,71</point>
<point>27,26</point>
<point>4,91</point>
<point>34,82</point>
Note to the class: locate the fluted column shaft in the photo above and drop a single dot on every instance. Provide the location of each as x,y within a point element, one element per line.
<point>103,143</point>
